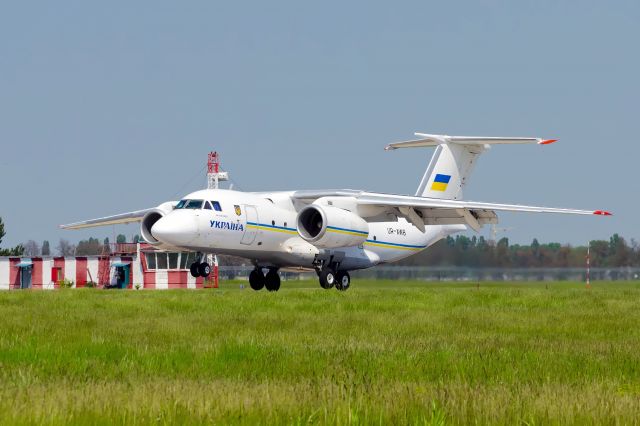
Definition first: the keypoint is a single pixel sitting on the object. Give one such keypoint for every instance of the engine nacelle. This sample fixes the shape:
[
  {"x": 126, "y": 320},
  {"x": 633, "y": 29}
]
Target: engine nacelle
[
  {"x": 331, "y": 227},
  {"x": 150, "y": 219}
]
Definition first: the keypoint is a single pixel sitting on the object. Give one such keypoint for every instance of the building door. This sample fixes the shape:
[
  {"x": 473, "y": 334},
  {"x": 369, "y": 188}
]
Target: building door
[
  {"x": 251, "y": 230},
  {"x": 25, "y": 276},
  {"x": 122, "y": 276}
]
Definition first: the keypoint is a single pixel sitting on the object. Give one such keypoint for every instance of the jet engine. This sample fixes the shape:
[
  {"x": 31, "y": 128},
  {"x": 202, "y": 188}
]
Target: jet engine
[
  {"x": 331, "y": 227},
  {"x": 151, "y": 218}
]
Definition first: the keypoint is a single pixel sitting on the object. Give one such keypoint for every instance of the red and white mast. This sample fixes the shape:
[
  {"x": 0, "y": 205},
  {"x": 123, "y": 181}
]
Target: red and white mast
[{"x": 214, "y": 176}]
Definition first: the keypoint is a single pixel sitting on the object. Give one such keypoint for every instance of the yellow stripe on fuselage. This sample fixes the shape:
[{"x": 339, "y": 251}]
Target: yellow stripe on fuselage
[
  {"x": 340, "y": 231},
  {"x": 267, "y": 228},
  {"x": 391, "y": 246}
]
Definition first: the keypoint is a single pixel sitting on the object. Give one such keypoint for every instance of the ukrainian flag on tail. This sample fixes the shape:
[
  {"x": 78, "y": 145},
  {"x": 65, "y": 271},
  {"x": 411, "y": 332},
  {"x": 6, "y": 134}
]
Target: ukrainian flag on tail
[{"x": 440, "y": 182}]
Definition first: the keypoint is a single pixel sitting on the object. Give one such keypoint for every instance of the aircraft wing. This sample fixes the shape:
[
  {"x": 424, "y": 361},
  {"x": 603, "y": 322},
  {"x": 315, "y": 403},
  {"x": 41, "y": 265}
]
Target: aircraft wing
[
  {"x": 129, "y": 217},
  {"x": 429, "y": 211}
]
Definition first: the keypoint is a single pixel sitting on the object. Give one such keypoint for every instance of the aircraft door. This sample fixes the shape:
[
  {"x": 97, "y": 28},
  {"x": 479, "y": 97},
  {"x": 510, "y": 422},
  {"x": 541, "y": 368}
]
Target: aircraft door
[{"x": 250, "y": 232}]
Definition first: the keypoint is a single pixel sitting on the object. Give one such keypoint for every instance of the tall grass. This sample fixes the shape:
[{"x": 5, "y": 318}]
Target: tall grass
[{"x": 383, "y": 352}]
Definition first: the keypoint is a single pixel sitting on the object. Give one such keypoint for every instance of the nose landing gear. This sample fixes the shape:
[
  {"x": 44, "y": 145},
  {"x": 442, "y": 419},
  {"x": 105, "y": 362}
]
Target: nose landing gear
[{"x": 200, "y": 269}]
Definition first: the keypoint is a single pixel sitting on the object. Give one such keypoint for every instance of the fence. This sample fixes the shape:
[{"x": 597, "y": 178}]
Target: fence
[{"x": 460, "y": 274}]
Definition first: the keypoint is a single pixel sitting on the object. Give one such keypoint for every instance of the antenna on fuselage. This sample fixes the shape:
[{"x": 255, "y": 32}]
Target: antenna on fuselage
[{"x": 214, "y": 174}]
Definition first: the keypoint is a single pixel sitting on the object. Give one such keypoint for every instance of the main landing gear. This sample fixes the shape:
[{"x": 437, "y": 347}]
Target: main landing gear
[
  {"x": 270, "y": 281},
  {"x": 329, "y": 278},
  {"x": 200, "y": 269}
]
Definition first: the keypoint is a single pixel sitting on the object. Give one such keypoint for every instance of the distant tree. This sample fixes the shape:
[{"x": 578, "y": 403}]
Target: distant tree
[
  {"x": 121, "y": 239},
  {"x": 136, "y": 239},
  {"x": 15, "y": 251},
  {"x": 90, "y": 247},
  {"x": 31, "y": 248},
  {"x": 65, "y": 248},
  {"x": 46, "y": 250},
  {"x": 107, "y": 246}
]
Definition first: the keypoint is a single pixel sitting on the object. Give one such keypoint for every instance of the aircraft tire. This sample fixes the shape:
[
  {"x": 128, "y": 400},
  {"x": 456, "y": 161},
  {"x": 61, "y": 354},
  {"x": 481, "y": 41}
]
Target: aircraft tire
[
  {"x": 256, "y": 279},
  {"x": 343, "y": 281},
  {"x": 194, "y": 270},
  {"x": 327, "y": 278},
  {"x": 204, "y": 269},
  {"x": 272, "y": 280}
]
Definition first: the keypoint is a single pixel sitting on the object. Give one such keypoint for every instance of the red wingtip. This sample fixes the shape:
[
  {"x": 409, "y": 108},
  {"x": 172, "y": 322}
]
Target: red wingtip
[
  {"x": 547, "y": 141},
  {"x": 602, "y": 213}
]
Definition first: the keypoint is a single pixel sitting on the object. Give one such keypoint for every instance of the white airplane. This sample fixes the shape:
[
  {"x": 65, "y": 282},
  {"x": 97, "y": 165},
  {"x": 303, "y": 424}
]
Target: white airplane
[{"x": 329, "y": 231}]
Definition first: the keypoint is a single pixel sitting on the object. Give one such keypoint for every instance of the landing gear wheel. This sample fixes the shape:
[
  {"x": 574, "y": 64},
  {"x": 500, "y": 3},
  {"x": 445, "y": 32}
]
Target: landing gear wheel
[
  {"x": 272, "y": 280},
  {"x": 194, "y": 270},
  {"x": 204, "y": 269},
  {"x": 256, "y": 279},
  {"x": 343, "y": 281},
  {"x": 327, "y": 278}
]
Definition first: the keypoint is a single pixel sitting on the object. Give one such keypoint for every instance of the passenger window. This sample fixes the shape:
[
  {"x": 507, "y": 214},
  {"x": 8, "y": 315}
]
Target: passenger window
[
  {"x": 207, "y": 205},
  {"x": 216, "y": 206},
  {"x": 193, "y": 204}
]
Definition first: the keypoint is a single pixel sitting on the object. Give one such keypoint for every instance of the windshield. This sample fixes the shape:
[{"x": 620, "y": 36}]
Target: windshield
[{"x": 189, "y": 204}]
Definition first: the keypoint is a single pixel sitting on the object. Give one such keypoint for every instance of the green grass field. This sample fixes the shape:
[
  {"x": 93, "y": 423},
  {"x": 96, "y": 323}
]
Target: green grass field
[{"x": 383, "y": 352}]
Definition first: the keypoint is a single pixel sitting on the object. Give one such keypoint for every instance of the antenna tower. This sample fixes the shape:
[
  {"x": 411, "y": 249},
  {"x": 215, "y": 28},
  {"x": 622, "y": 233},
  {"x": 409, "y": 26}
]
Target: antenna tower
[{"x": 214, "y": 173}]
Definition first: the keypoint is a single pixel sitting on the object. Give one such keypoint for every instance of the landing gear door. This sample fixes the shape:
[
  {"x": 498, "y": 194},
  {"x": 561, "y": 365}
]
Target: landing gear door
[{"x": 251, "y": 229}]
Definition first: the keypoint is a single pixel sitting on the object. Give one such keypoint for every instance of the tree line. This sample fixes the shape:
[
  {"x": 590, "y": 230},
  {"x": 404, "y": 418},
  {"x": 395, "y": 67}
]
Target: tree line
[
  {"x": 478, "y": 252},
  {"x": 89, "y": 247}
]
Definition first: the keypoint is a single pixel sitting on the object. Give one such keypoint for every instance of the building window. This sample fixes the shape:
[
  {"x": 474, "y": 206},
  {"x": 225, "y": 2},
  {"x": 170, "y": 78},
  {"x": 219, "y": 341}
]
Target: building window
[
  {"x": 173, "y": 260},
  {"x": 169, "y": 261},
  {"x": 151, "y": 260},
  {"x": 161, "y": 260}
]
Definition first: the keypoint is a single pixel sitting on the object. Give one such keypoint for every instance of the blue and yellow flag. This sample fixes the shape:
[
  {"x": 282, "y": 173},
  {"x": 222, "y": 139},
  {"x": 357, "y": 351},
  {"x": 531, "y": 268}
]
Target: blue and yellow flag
[{"x": 440, "y": 182}]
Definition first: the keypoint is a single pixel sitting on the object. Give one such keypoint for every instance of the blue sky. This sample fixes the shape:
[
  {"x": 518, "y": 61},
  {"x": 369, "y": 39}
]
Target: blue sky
[{"x": 113, "y": 106}]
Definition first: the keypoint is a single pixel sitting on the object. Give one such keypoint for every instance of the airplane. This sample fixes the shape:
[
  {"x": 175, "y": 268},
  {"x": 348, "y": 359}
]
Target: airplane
[{"x": 329, "y": 231}]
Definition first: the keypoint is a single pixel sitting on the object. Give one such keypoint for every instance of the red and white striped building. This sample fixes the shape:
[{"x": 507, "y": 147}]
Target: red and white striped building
[{"x": 127, "y": 266}]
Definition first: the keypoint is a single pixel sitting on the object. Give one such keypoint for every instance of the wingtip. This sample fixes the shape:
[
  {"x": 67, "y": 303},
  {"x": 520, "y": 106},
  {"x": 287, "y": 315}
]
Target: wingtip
[
  {"x": 602, "y": 213},
  {"x": 547, "y": 141},
  {"x": 388, "y": 148}
]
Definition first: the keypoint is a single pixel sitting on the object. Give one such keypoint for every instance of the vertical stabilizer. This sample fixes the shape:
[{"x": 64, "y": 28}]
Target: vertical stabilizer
[
  {"x": 448, "y": 171},
  {"x": 453, "y": 161}
]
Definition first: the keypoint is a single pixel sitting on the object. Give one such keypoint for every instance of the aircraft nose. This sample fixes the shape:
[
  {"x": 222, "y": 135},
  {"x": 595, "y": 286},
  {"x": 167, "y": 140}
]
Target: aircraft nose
[{"x": 176, "y": 230}]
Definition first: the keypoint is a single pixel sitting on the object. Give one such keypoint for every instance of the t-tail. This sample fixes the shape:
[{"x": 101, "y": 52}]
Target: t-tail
[{"x": 453, "y": 161}]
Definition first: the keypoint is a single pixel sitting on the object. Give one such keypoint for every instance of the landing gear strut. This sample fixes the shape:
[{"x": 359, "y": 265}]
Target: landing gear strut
[{"x": 258, "y": 280}]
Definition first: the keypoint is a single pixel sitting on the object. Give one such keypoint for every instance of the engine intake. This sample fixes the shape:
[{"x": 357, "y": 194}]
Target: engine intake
[
  {"x": 150, "y": 219},
  {"x": 331, "y": 227}
]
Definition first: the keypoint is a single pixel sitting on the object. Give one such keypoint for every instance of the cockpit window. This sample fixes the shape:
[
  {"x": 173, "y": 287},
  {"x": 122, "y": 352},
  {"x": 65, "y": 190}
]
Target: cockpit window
[
  {"x": 216, "y": 206},
  {"x": 180, "y": 204},
  {"x": 193, "y": 204},
  {"x": 207, "y": 205}
]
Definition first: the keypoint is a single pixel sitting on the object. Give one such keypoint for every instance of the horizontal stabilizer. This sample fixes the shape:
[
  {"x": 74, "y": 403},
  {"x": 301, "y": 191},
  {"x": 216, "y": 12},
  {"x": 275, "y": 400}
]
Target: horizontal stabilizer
[{"x": 435, "y": 140}]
